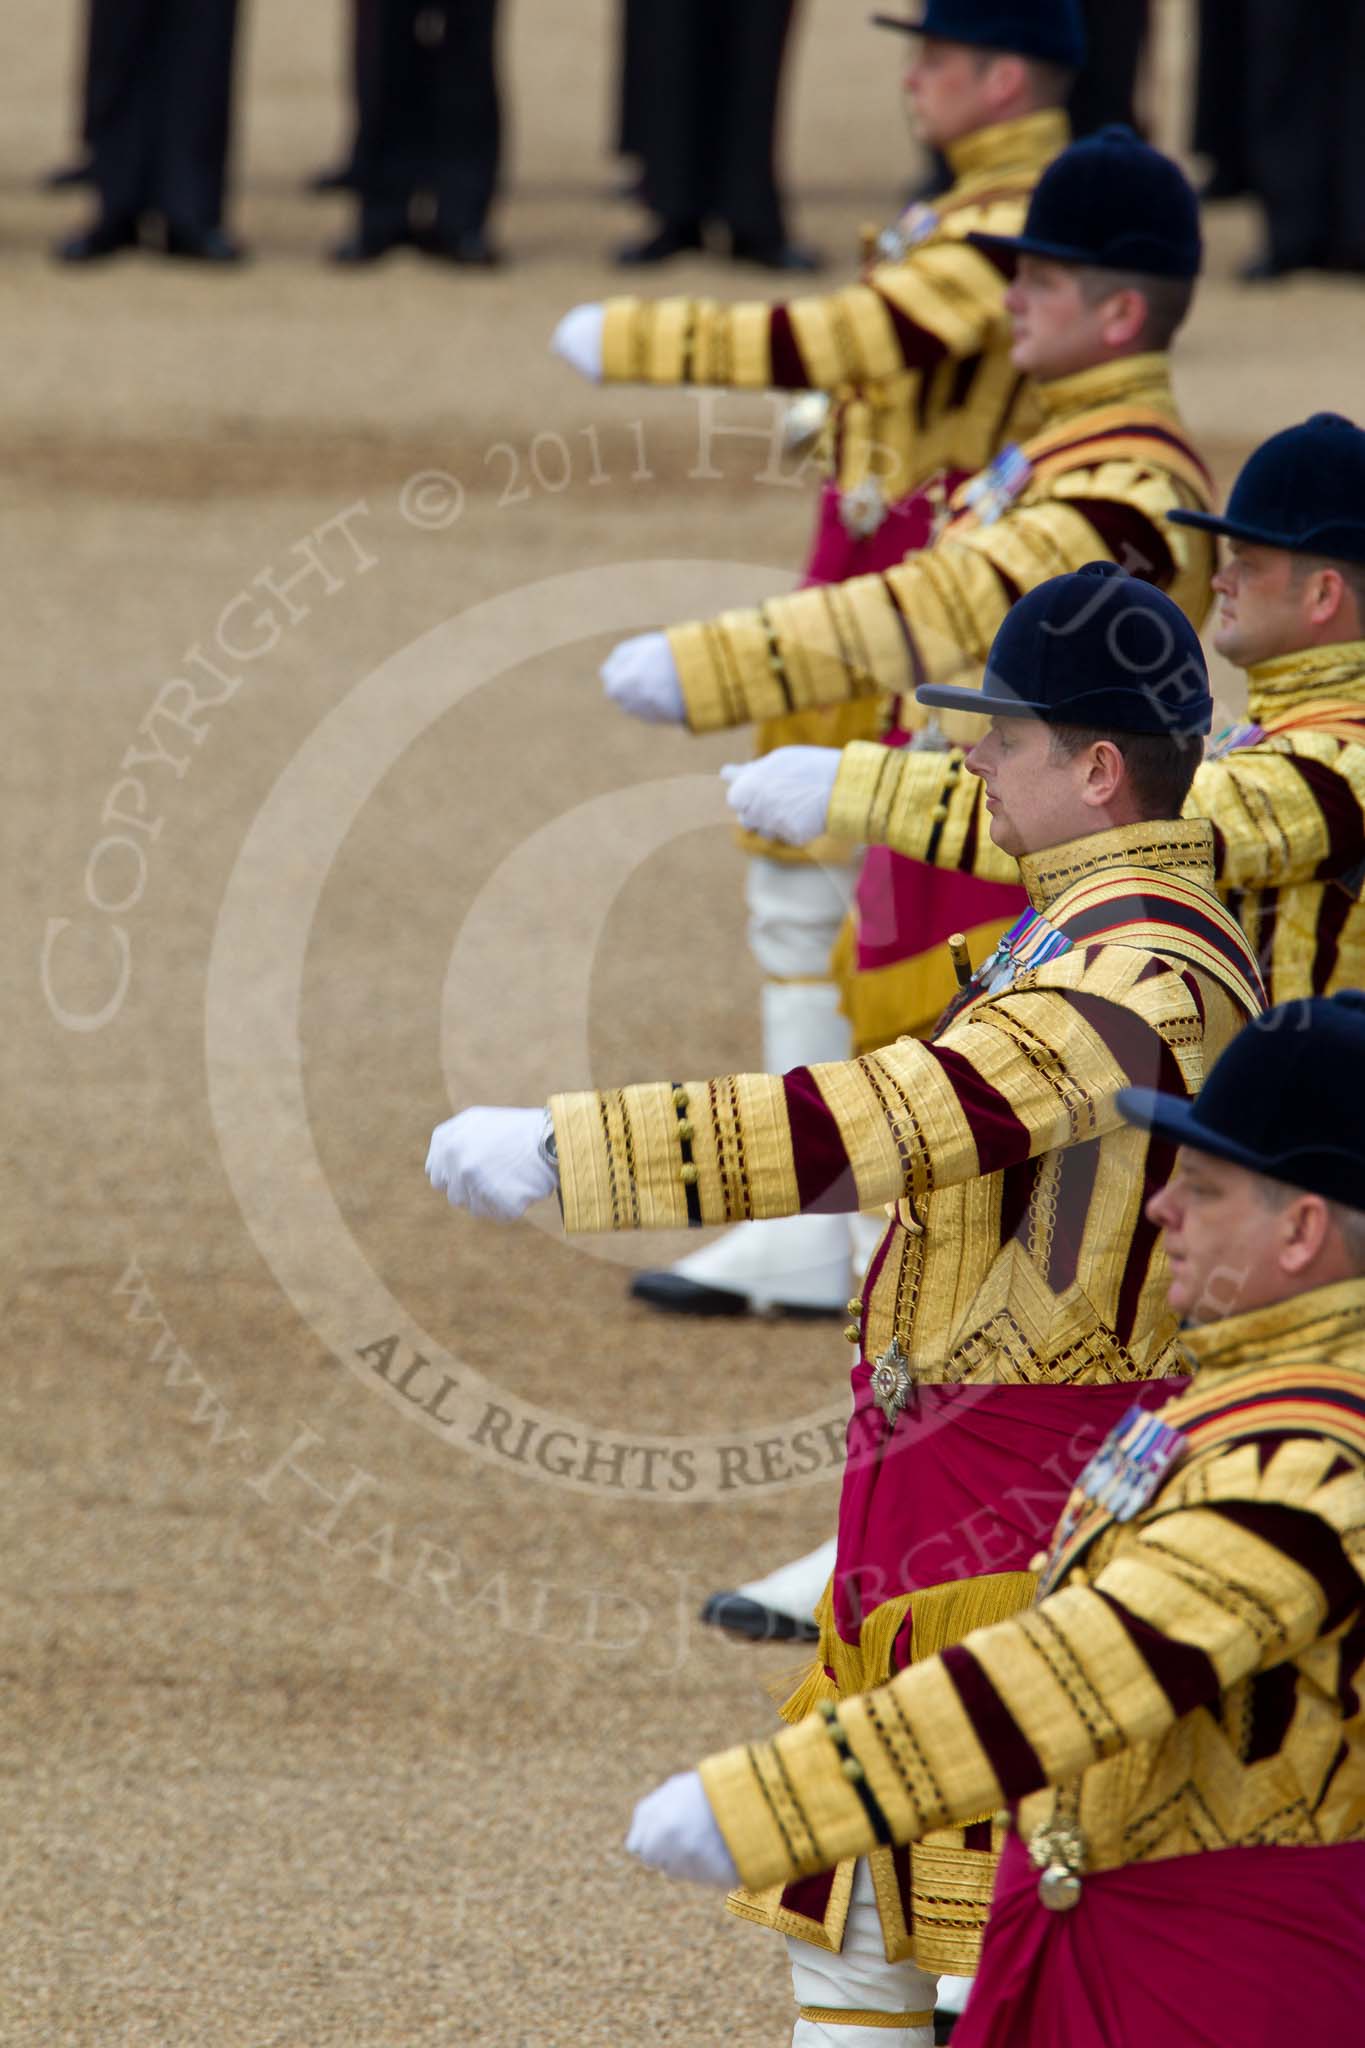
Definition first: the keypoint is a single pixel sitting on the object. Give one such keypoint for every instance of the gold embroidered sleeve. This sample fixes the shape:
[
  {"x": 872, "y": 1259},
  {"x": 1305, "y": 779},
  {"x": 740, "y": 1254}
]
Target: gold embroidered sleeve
[
  {"x": 1287, "y": 812},
  {"x": 688, "y": 341},
  {"x": 663, "y": 1157},
  {"x": 923, "y": 804},
  {"x": 875, "y": 636},
  {"x": 1193, "y": 1600},
  {"x": 1020, "y": 1074},
  {"x": 943, "y": 300},
  {"x": 934, "y": 616}
]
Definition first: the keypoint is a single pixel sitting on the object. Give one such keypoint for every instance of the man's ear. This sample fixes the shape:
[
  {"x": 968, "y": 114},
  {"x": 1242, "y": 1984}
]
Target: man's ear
[
  {"x": 1104, "y": 774},
  {"x": 1307, "y": 1222},
  {"x": 1125, "y": 318},
  {"x": 1326, "y": 597}
]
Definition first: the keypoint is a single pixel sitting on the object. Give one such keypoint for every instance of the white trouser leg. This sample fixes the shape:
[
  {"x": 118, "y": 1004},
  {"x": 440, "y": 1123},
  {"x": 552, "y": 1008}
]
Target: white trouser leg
[
  {"x": 794, "y": 1588},
  {"x": 953, "y": 1993},
  {"x": 795, "y": 912},
  {"x": 841, "y": 1996}
]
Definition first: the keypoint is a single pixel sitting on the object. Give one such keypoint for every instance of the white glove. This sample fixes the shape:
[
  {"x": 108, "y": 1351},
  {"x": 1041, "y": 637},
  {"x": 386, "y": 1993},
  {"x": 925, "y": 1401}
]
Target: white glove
[
  {"x": 642, "y": 677},
  {"x": 578, "y": 338},
  {"x": 674, "y": 1830},
  {"x": 490, "y": 1161},
  {"x": 785, "y": 794}
]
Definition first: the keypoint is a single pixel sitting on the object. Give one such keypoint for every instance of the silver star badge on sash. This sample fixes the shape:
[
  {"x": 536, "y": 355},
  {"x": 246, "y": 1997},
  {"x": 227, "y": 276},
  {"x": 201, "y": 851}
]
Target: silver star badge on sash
[
  {"x": 891, "y": 1381},
  {"x": 862, "y": 509}
]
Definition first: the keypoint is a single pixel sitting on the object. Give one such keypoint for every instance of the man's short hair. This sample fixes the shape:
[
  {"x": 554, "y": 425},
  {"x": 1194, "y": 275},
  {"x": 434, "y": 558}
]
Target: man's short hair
[
  {"x": 1350, "y": 1222},
  {"x": 1049, "y": 84},
  {"x": 1352, "y": 575},
  {"x": 1168, "y": 299},
  {"x": 1161, "y": 767}
]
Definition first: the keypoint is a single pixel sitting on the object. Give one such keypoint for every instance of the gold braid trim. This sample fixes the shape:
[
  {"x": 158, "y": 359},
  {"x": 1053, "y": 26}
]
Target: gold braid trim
[{"x": 842, "y": 2016}]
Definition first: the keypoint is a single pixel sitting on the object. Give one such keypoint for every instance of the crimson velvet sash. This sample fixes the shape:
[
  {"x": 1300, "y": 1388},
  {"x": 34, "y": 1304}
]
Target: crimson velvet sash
[
  {"x": 1233, "y": 1948},
  {"x": 971, "y": 1480}
]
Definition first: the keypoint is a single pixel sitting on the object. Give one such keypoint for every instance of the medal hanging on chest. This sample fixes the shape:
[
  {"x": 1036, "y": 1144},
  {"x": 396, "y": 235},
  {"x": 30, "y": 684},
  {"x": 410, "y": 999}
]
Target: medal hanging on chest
[
  {"x": 993, "y": 492},
  {"x": 1029, "y": 941},
  {"x": 915, "y": 225},
  {"x": 1127, "y": 1471},
  {"x": 1232, "y": 739}
]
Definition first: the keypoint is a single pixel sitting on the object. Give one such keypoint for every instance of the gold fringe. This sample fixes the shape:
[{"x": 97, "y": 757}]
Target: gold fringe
[
  {"x": 942, "y": 1615},
  {"x": 791, "y": 1684},
  {"x": 947, "y": 1614}
]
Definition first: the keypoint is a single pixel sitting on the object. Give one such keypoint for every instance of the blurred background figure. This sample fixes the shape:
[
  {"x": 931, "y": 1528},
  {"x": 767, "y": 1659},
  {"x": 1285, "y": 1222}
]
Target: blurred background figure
[
  {"x": 700, "y": 104},
  {"x": 1107, "y": 87},
  {"x": 1304, "y": 67},
  {"x": 632, "y": 117},
  {"x": 158, "y": 118},
  {"x": 363, "y": 44},
  {"x": 430, "y": 135},
  {"x": 79, "y": 170},
  {"x": 1220, "y": 98}
]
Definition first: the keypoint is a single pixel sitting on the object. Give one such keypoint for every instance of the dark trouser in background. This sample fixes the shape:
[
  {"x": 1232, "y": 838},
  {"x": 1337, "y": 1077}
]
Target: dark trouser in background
[
  {"x": 632, "y": 117},
  {"x": 1106, "y": 89},
  {"x": 1220, "y": 108},
  {"x": 159, "y": 108},
  {"x": 1306, "y": 138},
  {"x": 436, "y": 126},
  {"x": 364, "y": 82},
  {"x": 714, "y": 79}
]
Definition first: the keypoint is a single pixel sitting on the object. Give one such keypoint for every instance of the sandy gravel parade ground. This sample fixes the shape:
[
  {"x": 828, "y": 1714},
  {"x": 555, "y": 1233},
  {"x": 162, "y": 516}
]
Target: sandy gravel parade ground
[{"x": 351, "y": 1549}]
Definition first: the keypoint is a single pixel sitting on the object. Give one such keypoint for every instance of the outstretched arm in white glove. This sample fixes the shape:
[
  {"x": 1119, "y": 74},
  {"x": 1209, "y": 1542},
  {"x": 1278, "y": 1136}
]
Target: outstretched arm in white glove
[
  {"x": 641, "y": 676},
  {"x": 493, "y": 1162},
  {"x": 785, "y": 794},
  {"x": 674, "y": 1830},
  {"x": 578, "y": 339}
]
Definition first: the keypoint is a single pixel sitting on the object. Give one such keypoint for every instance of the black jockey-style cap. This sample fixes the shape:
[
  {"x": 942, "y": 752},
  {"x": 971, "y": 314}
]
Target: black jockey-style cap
[
  {"x": 1099, "y": 648},
  {"x": 1284, "y": 1100},
  {"x": 1111, "y": 202},
  {"x": 1051, "y": 30},
  {"x": 1303, "y": 490}
]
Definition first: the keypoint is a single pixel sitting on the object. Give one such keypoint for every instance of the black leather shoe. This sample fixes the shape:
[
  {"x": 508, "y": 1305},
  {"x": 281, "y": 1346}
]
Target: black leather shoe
[
  {"x": 1224, "y": 185},
  {"x": 67, "y": 175},
  {"x": 105, "y": 238},
  {"x": 368, "y": 245},
  {"x": 680, "y": 1297},
  {"x": 677, "y": 1296},
  {"x": 472, "y": 249},
  {"x": 776, "y": 255},
  {"x": 341, "y": 178},
  {"x": 737, "y": 1615},
  {"x": 1270, "y": 269},
  {"x": 203, "y": 245},
  {"x": 666, "y": 242}
]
